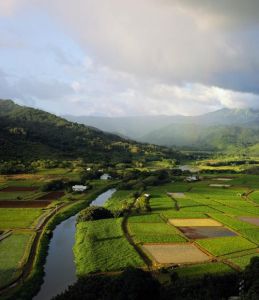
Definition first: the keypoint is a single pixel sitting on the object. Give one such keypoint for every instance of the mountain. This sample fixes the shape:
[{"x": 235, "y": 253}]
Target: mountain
[
  {"x": 28, "y": 133},
  {"x": 224, "y": 129},
  {"x": 133, "y": 127}
]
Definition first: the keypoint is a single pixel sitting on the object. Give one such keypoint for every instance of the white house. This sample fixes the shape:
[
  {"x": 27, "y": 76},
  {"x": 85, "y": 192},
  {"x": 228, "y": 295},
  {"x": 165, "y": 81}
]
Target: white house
[
  {"x": 105, "y": 177},
  {"x": 79, "y": 188},
  {"x": 192, "y": 178}
]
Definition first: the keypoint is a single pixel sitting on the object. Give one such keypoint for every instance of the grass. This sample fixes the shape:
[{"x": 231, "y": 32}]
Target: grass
[
  {"x": 14, "y": 252},
  {"x": 155, "y": 233},
  {"x": 11, "y": 218},
  {"x": 243, "y": 261},
  {"x": 152, "y": 228},
  {"x": 251, "y": 234},
  {"x": 165, "y": 238},
  {"x": 201, "y": 269},
  {"x": 146, "y": 218},
  {"x": 225, "y": 245},
  {"x": 15, "y": 195},
  {"x": 232, "y": 222},
  {"x": 170, "y": 214},
  {"x": 101, "y": 246}
]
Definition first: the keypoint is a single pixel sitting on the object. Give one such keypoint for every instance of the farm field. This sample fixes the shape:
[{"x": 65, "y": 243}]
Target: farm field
[
  {"x": 101, "y": 246},
  {"x": 219, "y": 220},
  {"x": 23, "y": 209},
  {"x": 175, "y": 253},
  {"x": 14, "y": 251},
  {"x": 208, "y": 222}
]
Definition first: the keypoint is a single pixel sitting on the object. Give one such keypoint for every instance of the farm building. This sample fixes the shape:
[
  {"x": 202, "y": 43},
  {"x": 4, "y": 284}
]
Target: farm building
[
  {"x": 105, "y": 176},
  {"x": 79, "y": 188},
  {"x": 192, "y": 178}
]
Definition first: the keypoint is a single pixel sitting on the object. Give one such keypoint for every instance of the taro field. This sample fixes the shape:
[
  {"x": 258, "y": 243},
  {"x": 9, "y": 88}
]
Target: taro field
[{"x": 208, "y": 226}]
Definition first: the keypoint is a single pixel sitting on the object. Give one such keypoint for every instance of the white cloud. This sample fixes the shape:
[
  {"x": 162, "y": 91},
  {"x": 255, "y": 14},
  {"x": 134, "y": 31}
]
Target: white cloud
[{"x": 150, "y": 56}]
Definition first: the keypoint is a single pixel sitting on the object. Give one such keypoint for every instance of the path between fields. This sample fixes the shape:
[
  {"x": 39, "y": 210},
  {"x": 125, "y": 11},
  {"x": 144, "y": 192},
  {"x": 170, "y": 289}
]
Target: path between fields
[{"x": 127, "y": 235}]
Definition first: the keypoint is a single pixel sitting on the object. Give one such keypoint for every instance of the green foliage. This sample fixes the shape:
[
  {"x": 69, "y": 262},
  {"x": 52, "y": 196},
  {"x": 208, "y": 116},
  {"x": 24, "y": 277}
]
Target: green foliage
[
  {"x": 92, "y": 213},
  {"x": 142, "y": 204},
  {"x": 31, "y": 134},
  {"x": 54, "y": 185}
]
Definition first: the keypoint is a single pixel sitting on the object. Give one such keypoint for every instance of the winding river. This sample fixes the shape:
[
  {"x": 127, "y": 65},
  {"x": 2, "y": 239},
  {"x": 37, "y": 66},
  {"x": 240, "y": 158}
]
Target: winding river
[{"x": 60, "y": 269}]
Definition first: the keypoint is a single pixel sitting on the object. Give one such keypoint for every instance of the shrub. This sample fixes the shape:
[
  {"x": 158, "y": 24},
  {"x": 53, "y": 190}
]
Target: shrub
[
  {"x": 94, "y": 213},
  {"x": 53, "y": 185}
]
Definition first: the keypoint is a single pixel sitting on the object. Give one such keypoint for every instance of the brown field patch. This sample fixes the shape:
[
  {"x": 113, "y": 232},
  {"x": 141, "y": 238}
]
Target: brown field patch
[
  {"x": 19, "y": 189},
  {"x": 200, "y": 232},
  {"x": 24, "y": 204},
  {"x": 175, "y": 253},
  {"x": 251, "y": 220},
  {"x": 194, "y": 222},
  {"x": 52, "y": 196}
]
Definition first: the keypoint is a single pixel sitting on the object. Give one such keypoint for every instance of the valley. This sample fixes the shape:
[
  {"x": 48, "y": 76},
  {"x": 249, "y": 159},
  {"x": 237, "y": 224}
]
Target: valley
[{"x": 118, "y": 204}]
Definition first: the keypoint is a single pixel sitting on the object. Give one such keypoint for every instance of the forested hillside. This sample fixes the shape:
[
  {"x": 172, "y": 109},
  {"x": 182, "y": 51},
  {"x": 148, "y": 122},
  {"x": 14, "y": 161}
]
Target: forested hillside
[{"x": 28, "y": 133}]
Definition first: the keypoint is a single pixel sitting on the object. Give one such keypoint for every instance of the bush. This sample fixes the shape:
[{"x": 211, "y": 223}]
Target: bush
[
  {"x": 142, "y": 204},
  {"x": 94, "y": 213},
  {"x": 54, "y": 185}
]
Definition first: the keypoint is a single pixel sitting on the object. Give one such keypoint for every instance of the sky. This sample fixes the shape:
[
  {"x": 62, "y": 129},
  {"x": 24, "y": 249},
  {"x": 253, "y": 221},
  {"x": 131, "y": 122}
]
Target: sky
[{"x": 130, "y": 57}]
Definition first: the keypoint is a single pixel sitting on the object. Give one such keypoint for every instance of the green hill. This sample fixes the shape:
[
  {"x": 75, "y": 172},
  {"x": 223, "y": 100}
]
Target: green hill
[
  {"x": 28, "y": 133},
  {"x": 228, "y": 130}
]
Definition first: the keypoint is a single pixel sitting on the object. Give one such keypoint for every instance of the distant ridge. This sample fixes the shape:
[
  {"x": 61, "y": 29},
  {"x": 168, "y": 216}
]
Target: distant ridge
[{"x": 223, "y": 129}]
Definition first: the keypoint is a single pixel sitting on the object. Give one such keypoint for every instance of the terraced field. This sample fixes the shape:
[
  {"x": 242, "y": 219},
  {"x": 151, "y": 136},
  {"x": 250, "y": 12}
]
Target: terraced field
[
  {"x": 22, "y": 216},
  {"x": 218, "y": 220}
]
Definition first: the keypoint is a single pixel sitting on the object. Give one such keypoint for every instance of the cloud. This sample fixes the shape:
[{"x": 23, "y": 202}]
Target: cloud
[
  {"x": 173, "y": 41},
  {"x": 143, "y": 57}
]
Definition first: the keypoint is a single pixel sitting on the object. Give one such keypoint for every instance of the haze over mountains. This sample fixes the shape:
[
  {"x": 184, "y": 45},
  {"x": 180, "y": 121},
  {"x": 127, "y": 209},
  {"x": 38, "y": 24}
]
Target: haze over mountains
[{"x": 219, "y": 130}]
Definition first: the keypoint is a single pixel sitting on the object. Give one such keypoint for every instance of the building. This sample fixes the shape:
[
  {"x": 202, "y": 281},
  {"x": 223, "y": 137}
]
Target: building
[
  {"x": 192, "y": 178},
  {"x": 105, "y": 177},
  {"x": 79, "y": 188}
]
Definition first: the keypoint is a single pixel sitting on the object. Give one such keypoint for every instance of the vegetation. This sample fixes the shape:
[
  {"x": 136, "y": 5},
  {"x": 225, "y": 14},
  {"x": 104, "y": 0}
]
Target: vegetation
[
  {"x": 221, "y": 246},
  {"x": 14, "y": 251},
  {"x": 97, "y": 244},
  {"x": 11, "y": 218},
  {"x": 51, "y": 137},
  {"x": 94, "y": 213}
]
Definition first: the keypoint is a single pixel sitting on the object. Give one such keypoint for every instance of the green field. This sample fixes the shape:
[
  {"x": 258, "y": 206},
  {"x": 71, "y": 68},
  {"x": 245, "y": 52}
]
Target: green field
[
  {"x": 101, "y": 246},
  {"x": 243, "y": 261},
  {"x": 14, "y": 251},
  {"x": 15, "y": 195},
  {"x": 225, "y": 245},
  {"x": 11, "y": 218},
  {"x": 201, "y": 269}
]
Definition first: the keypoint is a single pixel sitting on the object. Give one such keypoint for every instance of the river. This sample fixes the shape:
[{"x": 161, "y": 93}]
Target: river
[{"x": 60, "y": 270}]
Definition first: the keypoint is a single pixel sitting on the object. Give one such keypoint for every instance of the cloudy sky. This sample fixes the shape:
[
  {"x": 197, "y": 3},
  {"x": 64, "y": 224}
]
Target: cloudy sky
[{"x": 130, "y": 57}]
